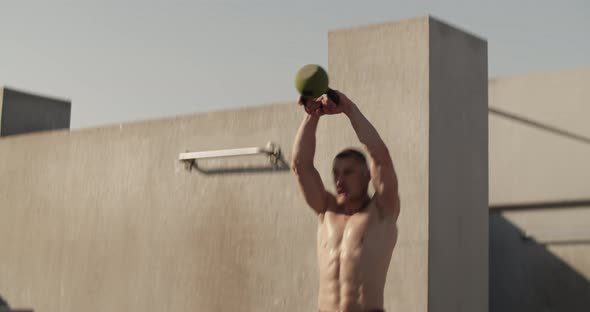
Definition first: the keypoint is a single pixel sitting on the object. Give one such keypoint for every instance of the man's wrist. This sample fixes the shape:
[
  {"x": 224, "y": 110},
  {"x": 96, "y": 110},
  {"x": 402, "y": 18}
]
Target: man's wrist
[
  {"x": 350, "y": 109},
  {"x": 311, "y": 117}
]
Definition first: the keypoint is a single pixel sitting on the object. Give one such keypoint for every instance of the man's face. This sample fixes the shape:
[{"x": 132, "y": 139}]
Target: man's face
[{"x": 351, "y": 178}]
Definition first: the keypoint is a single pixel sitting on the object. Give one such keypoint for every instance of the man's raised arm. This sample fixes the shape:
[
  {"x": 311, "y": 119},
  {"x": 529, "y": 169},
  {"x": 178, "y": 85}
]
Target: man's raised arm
[
  {"x": 383, "y": 173},
  {"x": 302, "y": 163}
]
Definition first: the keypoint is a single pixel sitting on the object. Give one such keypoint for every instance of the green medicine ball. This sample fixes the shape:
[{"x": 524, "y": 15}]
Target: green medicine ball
[{"x": 311, "y": 81}]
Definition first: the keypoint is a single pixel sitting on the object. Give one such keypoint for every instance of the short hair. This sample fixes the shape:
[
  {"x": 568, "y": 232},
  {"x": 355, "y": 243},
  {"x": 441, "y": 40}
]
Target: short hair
[{"x": 352, "y": 153}]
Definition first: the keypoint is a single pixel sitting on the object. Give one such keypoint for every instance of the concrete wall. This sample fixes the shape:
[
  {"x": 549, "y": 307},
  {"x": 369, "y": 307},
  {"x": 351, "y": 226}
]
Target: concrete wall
[
  {"x": 458, "y": 171},
  {"x": 529, "y": 275},
  {"x": 386, "y": 67},
  {"x": 418, "y": 80},
  {"x": 539, "y": 194},
  {"x": 108, "y": 219},
  {"x": 535, "y": 163},
  {"x": 22, "y": 112}
]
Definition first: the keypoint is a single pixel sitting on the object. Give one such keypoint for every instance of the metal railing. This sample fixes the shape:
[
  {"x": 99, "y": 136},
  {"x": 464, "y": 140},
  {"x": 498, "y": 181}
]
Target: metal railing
[{"x": 273, "y": 151}]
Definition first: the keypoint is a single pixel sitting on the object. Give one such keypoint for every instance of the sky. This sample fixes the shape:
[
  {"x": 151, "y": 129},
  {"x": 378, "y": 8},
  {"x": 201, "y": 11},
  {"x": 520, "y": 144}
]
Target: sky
[{"x": 123, "y": 61}]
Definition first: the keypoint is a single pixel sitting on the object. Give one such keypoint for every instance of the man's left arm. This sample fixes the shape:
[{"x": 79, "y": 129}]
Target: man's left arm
[{"x": 383, "y": 173}]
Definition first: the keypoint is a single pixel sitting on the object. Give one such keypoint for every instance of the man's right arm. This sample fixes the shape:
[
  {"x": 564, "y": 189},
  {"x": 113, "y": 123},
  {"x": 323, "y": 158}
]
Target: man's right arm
[{"x": 302, "y": 165}]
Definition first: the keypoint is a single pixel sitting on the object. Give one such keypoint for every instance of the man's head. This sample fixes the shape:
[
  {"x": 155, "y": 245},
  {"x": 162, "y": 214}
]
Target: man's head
[{"x": 351, "y": 175}]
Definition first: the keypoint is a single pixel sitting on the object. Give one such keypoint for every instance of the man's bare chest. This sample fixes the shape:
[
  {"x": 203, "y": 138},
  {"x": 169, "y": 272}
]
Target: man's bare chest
[
  {"x": 338, "y": 230},
  {"x": 360, "y": 232}
]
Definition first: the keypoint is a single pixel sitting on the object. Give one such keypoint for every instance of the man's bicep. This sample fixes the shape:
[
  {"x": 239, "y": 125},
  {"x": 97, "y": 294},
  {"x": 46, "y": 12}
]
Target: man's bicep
[
  {"x": 385, "y": 182},
  {"x": 313, "y": 189}
]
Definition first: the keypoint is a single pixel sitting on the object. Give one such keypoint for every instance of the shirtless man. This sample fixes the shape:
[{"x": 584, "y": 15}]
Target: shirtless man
[{"x": 356, "y": 232}]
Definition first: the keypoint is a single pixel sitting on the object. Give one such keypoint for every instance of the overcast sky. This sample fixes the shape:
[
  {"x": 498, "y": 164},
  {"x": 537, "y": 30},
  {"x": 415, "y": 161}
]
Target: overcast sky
[{"x": 123, "y": 61}]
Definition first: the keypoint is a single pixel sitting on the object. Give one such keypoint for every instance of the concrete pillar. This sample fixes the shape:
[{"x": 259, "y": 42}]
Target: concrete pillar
[
  {"x": 430, "y": 82},
  {"x": 22, "y": 112}
]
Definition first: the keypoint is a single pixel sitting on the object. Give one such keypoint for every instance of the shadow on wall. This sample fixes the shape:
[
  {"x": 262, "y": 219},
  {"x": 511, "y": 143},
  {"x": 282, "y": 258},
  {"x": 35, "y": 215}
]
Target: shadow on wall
[
  {"x": 526, "y": 277},
  {"x": 280, "y": 166},
  {"x": 3, "y": 303}
]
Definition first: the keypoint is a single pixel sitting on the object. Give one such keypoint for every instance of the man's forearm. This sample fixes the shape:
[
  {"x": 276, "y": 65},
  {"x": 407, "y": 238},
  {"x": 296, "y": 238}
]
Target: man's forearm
[
  {"x": 304, "y": 146},
  {"x": 366, "y": 133}
]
